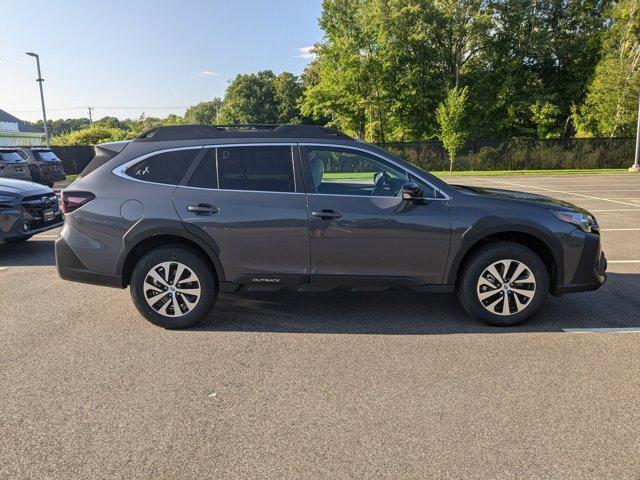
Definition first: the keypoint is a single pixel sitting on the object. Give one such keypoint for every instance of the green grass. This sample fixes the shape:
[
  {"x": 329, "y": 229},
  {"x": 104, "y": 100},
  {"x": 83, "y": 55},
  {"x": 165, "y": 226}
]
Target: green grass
[
  {"x": 482, "y": 173},
  {"x": 71, "y": 178},
  {"x": 348, "y": 176},
  {"x": 491, "y": 173}
]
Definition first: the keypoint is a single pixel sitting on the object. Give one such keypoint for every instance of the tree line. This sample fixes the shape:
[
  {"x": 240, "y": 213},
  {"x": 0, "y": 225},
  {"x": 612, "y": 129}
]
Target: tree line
[{"x": 410, "y": 70}]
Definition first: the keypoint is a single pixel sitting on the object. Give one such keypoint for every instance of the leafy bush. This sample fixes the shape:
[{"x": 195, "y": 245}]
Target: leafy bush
[
  {"x": 521, "y": 154},
  {"x": 91, "y": 136}
]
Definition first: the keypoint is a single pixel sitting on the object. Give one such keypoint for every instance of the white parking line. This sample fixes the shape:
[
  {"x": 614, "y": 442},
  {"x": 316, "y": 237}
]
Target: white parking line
[
  {"x": 609, "y": 262},
  {"x": 559, "y": 191},
  {"x": 603, "y": 330},
  {"x": 620, "y": 229},
  {"x": 617, "y": 210}
]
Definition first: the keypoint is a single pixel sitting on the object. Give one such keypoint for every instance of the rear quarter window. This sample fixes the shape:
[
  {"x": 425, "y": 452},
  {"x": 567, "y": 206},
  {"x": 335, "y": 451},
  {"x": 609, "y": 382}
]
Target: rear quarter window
[{"x": 167, "y": 168}]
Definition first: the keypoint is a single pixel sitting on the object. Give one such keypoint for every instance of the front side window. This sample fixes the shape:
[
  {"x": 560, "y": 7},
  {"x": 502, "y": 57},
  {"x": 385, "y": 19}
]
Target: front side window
[
  {"x": 167, "y": 168},
  {"x": 258, "y": 169},
  {"x": 341, "y": 171}
]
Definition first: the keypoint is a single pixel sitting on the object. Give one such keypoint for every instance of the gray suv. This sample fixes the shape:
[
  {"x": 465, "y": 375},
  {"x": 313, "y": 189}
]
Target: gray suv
[{"x": 182, "y": 213}]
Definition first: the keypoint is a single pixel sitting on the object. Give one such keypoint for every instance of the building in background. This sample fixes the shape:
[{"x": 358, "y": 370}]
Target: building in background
[{"x": 14, "y": 131}]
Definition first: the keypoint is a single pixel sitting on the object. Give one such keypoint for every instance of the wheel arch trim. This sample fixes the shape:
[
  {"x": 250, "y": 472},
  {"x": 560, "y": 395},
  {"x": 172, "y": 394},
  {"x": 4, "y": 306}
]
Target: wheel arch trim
[
  {"x": 149, "y": 228},
  {"x": 474, "y": 237}
]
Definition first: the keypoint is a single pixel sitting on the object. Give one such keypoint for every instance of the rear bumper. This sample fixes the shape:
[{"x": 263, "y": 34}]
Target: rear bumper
[
  {"x": 70, "y": 267},
  {"x": 592, "y": 269},
  {"x": 17, "y": 176}
]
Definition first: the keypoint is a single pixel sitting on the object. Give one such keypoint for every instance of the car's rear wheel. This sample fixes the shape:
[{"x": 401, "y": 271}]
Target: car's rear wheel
[
  {"x": 173, "y": 287},
  {"x": 503, "y": 284}
]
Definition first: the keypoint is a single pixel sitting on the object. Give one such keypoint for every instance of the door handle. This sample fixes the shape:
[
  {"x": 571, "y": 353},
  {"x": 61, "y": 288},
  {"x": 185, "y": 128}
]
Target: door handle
[
  {"x": 203, "y": 209},
  {"x": 326, "y": 214}
]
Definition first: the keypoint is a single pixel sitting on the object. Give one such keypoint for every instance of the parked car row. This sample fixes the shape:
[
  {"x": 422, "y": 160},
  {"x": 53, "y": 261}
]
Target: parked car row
[{"x": 37, "y": 163}]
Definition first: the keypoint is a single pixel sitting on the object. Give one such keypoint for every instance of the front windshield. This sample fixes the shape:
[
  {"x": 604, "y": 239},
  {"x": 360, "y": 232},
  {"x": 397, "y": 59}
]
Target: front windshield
[
  {"x": 47, "y": 156},
  {"x": 10, "y": 157}
]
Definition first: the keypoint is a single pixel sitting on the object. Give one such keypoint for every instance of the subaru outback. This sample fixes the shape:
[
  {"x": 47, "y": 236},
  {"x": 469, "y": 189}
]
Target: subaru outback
[{"x": 182, "y": 213}]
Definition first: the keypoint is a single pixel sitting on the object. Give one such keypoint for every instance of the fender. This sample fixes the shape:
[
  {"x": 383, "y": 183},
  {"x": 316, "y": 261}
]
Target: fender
[
  {"x": 495, "y": 225},
  {"x": 148, "y": 228}
]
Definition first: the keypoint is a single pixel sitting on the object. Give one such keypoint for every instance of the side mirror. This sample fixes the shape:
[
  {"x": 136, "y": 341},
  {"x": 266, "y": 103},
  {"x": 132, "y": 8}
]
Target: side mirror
[{"x": 412, "y": 192}]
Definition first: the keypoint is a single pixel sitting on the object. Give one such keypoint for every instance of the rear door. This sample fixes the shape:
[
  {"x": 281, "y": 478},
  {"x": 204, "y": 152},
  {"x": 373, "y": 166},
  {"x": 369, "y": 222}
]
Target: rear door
[
  {"x": 361, "y": 230},
  {"x": 249, "y": 200}
]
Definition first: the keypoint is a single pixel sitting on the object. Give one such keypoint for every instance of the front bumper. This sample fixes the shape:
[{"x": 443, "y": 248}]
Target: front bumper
[
  {"x": 19, "y": 232},
  {"x": 591, "y": 272},
  {"x": 17, "y": 223}
]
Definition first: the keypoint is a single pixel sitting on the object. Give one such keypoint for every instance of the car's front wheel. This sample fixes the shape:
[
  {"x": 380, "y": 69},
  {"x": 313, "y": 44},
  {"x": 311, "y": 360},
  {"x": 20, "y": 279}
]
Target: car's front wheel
[
  {"x": 503, "y": 284},
  {"x": 173, "y": 287}
]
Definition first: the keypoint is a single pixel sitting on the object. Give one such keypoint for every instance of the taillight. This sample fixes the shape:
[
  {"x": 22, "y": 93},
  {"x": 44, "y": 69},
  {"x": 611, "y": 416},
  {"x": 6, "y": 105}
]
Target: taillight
[{"x": 72, "y": 201}]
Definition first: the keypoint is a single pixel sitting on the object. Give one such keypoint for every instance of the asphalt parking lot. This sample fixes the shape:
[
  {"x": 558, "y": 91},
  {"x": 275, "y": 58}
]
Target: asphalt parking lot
[{"x": 338, "y": 385}]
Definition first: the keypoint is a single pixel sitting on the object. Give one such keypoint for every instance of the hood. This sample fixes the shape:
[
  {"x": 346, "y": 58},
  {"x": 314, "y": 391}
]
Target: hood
[
  {"x": 15, "y": 188},
  {"x": 520, "y": 197}
]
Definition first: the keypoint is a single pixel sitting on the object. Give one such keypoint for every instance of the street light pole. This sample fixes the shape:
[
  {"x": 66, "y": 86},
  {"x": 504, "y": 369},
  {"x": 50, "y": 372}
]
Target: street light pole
[
  {"x": 44, "y": 111},
  {"x": 636, "y": 163}
]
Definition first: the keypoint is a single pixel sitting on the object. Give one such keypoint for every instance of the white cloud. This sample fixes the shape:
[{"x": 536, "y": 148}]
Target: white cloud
[
  {"x": 306, "y": 52},
  {"x": 208, "y": 73}
]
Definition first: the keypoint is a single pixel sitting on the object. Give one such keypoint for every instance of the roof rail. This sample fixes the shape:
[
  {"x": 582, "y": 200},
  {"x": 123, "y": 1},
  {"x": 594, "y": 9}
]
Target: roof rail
[{"x": 193, "y": 132}]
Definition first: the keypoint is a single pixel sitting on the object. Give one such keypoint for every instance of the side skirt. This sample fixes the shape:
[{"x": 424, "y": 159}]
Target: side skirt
[{"x": 324, "y": 283}]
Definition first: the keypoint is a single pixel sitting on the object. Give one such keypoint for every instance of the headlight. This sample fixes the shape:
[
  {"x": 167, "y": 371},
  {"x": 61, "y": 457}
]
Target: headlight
[{"x": 584, "y": 221}]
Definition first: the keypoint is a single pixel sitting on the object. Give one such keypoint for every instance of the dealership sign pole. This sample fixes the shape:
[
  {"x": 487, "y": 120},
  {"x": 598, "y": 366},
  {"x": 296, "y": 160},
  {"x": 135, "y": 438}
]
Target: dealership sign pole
[
  {"x": 636, "y": 163},
  {"x": 44, "y": 111}
]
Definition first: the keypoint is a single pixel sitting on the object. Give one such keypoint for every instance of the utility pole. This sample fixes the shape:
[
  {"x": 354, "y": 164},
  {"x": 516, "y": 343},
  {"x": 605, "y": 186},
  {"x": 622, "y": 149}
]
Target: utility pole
[
  {"x": 636, "y": 164},
  {"x": 90, "y": 117},
  {"x": 44, "y": 111}
]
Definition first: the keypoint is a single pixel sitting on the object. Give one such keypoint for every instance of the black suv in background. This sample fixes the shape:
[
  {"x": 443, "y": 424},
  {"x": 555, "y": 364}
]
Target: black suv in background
[
  {"x": 45, "y": 167},
  {"x": 182, "y": 213},
  {"x": 13, "y": 164}
]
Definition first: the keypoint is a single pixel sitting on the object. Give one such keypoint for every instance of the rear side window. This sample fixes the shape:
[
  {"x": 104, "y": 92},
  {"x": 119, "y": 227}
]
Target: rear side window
[
  {"x": 10, "y": 157},
  {"x": 258, "y": 169},
  {"x": 46, "y": 155},
  {"x": 205, "y": 175},
  {"x": 167, "y": 167}
]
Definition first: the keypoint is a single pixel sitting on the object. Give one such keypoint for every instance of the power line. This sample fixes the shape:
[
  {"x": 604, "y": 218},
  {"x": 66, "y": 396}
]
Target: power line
[{"x": 171, "y": 107}]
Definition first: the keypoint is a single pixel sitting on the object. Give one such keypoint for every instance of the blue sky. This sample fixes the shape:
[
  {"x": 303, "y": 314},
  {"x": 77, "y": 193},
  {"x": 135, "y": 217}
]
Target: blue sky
[{"x": 140, "y": 54}]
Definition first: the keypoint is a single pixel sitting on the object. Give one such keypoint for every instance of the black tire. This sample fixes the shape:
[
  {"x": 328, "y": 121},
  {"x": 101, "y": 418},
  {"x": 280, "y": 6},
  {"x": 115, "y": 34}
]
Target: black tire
[
  {"x": 476, "y": 265},
  {"x": 190, "y": 259},
  {"x": 19, "y": 239}
]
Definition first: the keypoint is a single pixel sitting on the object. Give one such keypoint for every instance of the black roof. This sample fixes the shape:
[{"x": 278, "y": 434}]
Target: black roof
[
  {"x": 193, "y": 132},
  {"x": 22, "y": 125}
]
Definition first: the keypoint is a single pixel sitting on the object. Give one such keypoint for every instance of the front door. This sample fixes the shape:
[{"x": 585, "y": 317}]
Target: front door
[
  {"x": 251, "y": 204},
  {"x": 361, "y": 230}
]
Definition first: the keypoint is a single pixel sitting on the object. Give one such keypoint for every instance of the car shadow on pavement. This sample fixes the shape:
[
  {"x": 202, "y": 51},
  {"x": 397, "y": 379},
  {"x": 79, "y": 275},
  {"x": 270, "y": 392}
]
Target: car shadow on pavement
[
  {"x": 29, "y": 253},
  {"x": 615, "y": 305}
]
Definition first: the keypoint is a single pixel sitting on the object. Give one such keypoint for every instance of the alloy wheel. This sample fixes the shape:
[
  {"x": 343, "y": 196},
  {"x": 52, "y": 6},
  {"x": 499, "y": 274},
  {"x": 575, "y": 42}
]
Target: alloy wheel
[
  {"x": 171, "y": 289},
  {"x": 506, "y": 287}
]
